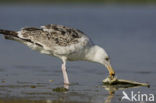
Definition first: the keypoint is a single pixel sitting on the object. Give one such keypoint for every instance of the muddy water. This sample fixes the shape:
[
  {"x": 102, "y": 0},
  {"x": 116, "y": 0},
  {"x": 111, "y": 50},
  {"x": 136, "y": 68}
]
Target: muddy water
[{"x": 126, "y": 32}]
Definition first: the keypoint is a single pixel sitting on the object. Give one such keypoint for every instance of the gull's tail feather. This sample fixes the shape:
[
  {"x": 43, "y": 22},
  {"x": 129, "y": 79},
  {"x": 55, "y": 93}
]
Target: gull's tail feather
[{"x": 9, "y": 33}]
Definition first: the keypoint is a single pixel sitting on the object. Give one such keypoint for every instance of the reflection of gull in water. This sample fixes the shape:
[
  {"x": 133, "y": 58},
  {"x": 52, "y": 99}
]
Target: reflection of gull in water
[
  {"x": 113, "y": 88},
  {"x": 63, "y": 42}
]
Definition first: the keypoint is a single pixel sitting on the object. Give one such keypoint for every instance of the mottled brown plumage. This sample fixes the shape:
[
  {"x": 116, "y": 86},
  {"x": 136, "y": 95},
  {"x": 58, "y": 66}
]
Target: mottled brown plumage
[{"x": 50, "y": 34}]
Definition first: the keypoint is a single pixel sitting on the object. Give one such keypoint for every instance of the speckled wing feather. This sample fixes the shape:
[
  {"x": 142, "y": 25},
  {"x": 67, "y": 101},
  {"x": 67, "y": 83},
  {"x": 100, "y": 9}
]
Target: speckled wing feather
[
  {"x": 62, "y": 35},
  {"x": 56, "y": 37}
]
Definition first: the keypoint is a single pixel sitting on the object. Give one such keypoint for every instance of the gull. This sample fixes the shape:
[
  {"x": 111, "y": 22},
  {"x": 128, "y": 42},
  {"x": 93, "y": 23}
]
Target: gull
[{"x": 66, "y": 43}]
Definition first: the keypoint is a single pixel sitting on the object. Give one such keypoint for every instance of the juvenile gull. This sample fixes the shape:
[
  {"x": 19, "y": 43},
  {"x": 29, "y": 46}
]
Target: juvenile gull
[{"x": 66, "y": 43}]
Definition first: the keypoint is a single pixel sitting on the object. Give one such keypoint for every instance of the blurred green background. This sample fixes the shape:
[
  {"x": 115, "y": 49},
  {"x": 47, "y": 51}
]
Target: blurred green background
[{"x": 81, "y": 1}]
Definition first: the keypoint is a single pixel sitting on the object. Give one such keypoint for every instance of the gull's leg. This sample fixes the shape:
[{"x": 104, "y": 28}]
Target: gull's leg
[{"x": 64, "y": 71}]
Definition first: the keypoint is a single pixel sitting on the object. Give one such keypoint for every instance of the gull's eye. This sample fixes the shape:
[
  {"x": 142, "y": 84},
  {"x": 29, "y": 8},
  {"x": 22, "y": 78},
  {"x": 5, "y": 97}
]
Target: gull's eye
[{"x": 107, "y": 59}]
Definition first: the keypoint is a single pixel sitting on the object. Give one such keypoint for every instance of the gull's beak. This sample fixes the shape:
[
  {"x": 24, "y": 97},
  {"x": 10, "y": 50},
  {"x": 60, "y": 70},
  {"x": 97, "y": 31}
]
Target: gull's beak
[{"x": 111, "y": 70}]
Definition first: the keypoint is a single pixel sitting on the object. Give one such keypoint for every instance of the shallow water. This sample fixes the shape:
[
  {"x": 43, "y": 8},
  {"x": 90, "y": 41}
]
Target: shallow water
[{"x": 126, "y": 32}]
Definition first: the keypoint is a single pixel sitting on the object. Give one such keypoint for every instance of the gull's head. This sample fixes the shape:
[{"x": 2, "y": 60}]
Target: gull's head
[{"x": 99, "y": 55}]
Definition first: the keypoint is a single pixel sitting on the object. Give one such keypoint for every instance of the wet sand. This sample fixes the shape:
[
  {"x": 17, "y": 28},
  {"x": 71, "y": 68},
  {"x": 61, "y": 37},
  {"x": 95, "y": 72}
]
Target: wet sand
[{"x": 34, "y": 85}]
